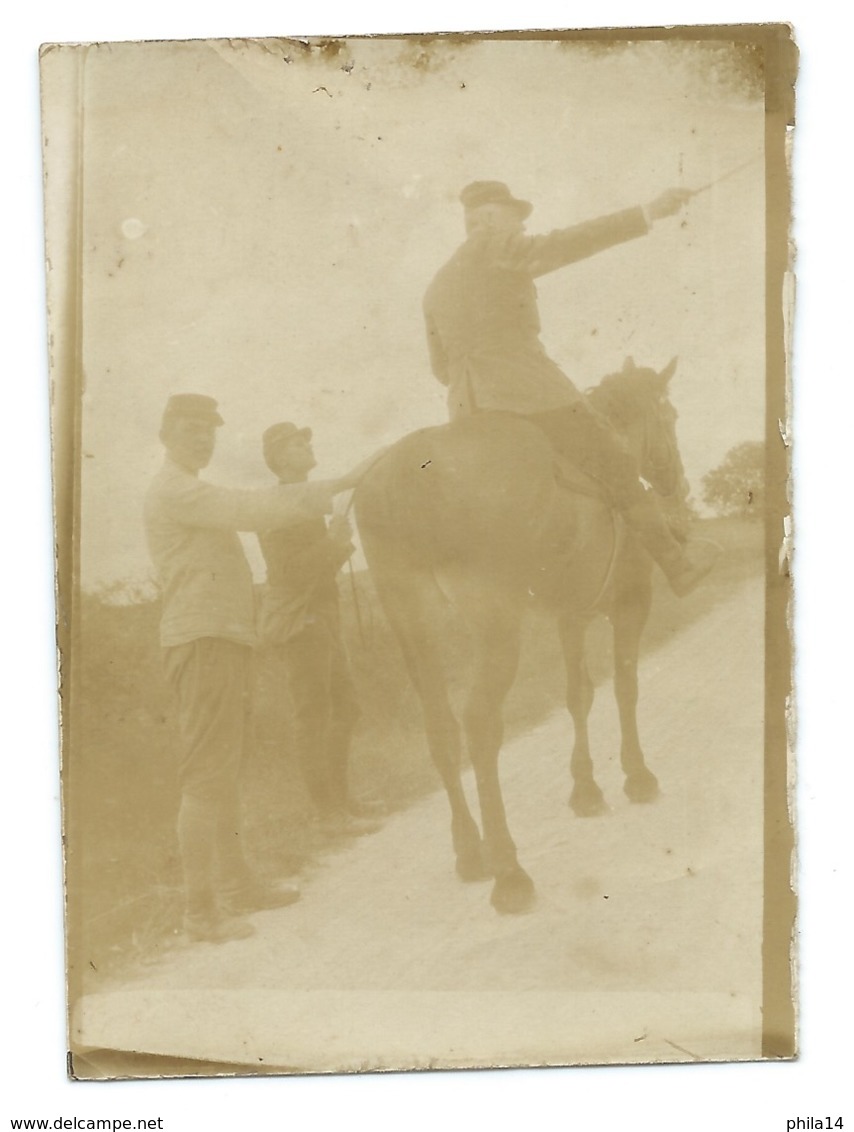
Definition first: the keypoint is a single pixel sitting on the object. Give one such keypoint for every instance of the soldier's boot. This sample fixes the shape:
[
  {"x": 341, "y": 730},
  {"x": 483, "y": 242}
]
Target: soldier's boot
[
  {"x": 684, "y": 565},
  {"x": 209, "y": 925},
  {"x": 256, "y": 895},
  {"x": 197, "y": 833},
  {"x": 240, "y": 891}
]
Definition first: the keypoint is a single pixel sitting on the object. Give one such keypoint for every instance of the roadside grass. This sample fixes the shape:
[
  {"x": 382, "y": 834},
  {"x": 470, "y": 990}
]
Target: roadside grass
[{"x": 119, "y": 789}]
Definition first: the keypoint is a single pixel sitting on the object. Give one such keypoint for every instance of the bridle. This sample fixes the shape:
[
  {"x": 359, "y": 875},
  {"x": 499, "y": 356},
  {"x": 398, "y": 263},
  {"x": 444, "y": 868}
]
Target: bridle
[{"x": 659, "y": 459}]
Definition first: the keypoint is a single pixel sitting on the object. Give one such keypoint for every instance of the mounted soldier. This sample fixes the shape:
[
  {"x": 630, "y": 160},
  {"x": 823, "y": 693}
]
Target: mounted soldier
[{"x": 483, "y": 330}]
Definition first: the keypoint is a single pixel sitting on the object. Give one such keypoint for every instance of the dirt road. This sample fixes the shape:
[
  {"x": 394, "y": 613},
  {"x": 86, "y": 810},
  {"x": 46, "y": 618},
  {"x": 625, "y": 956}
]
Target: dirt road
[{"x": 644, "y": 942}]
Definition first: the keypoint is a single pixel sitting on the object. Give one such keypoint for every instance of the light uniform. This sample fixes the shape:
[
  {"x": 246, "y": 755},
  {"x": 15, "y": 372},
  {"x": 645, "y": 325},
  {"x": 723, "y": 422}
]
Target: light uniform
[{"x": 208, "y": 633}]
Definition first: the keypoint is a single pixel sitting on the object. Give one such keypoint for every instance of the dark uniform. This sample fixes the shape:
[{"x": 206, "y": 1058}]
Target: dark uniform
[
  {"x": 483, "y": 324},
  {"x": 483, "y": 334},
  {"x": 300, "y": 618}
]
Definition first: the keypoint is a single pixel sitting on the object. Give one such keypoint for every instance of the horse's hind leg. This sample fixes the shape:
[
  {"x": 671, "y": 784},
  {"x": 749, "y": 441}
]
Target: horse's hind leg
[
  {"x": 410, "y": 601},
  {"x": 586, "y": 798},
  {"x": 631, "y": 610},
  {"x": 496, "y": 658}
]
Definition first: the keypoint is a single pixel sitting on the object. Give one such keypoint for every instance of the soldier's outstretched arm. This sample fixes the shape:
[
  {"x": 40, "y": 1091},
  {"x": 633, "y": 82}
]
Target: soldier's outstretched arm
[
  {"x": 199, "y": 504},
  {"x": 542, "y": 254}
]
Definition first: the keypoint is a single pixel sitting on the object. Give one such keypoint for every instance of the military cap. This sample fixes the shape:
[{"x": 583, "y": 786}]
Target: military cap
[
  {"x": 195, "y": 405},
  {"x": 281, "y": 433},
  {"x": 492, "y": 192}
]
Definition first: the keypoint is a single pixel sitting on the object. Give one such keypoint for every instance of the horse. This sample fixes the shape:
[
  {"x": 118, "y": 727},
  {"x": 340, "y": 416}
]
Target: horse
[{"x": 482, "y": 513}]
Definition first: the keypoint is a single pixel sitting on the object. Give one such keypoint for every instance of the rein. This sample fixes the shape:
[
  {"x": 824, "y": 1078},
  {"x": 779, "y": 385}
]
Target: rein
[{"x": 673, "y": 457}]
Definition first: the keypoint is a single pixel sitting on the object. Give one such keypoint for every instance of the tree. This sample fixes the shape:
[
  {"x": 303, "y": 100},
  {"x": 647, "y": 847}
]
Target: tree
[{"x": 737, "y": 486}]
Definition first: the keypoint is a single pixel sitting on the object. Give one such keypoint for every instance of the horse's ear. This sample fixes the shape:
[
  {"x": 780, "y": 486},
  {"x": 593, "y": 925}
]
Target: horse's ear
[
  {"x": 629, "y": 365},
  {"x": 668, "y": 371}
]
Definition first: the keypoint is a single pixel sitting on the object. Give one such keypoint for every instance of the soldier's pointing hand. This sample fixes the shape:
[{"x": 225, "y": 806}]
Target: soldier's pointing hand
[{"x": 668, "y": 203}]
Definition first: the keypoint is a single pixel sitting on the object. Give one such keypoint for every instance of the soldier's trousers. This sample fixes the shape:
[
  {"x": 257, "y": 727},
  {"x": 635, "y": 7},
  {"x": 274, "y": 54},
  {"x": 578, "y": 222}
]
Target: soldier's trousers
[
  {"x": 591, "y": 443},
  {"x": 210, "y": 679},
  {"x": 325, "y": 711}
]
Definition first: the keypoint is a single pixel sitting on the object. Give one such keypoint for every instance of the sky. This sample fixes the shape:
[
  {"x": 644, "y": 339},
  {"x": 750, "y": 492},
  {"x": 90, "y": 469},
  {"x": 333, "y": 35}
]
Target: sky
[{"x": 261, "y": 221}]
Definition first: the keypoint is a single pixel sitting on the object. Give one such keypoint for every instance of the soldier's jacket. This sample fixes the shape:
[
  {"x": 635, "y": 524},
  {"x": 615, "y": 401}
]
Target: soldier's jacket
[
  {"x": 191, "y": 527},
  {"x": 483, "y": 326},
  {"x": 302, "y": 563}
]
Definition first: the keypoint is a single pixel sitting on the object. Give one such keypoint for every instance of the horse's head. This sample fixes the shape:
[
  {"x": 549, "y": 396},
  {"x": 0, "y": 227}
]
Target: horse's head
[{"x": 637, "y": 403}]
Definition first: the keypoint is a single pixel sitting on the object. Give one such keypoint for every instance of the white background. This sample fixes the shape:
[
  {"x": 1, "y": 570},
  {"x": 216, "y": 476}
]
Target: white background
[{"x": 668, "y": 1098}]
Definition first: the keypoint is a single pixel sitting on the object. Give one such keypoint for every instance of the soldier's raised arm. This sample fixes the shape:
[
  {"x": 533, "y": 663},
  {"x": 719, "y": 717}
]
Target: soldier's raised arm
[
  {"x": 538, "y": 255},
  {"x": 178, "y": 495},
  {"x": 198, "y": 504}
]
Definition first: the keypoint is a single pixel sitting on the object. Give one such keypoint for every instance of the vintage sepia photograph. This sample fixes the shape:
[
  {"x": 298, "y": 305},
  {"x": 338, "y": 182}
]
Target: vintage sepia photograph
[{"x": 421, "y": 455}]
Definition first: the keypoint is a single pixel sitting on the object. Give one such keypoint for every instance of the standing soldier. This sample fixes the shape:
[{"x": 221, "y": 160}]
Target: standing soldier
[
  {"x": 300, "y": 618},
  {"x": 483, "y": 334},
  {"x": 207, "y": 630}
]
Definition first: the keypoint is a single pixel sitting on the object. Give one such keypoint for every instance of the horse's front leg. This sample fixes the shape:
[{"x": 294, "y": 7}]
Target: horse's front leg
[
  {"x": 631, "y": 611},
  {"x": 495, "y": 665},
  {"x": 586, "y": 799}
]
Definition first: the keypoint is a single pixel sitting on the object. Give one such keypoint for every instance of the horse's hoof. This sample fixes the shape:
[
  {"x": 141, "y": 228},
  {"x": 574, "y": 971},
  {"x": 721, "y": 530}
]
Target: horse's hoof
[
  {"x": 513, "y": 893},
  {"x": 642, "y": 787},
  {"x": 472, "y": 867},
  {"x": 588, "y": 801}
]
